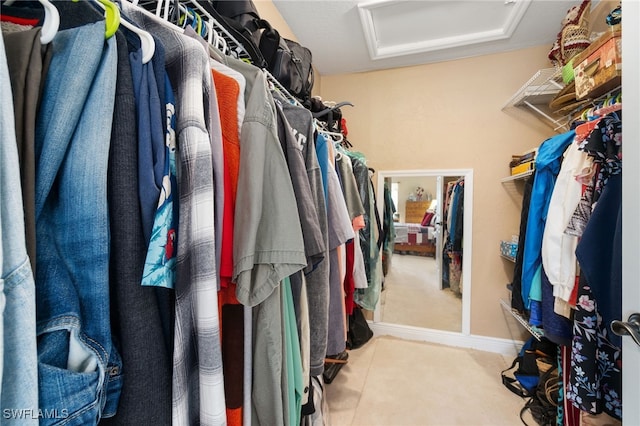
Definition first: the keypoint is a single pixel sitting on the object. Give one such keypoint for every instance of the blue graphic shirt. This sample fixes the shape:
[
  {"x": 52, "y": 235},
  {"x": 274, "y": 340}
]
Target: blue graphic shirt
[{"x": 160, "y": 264}]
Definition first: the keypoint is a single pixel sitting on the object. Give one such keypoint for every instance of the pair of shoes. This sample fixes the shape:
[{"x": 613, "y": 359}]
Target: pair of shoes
[{"x": 333, "y": 364}]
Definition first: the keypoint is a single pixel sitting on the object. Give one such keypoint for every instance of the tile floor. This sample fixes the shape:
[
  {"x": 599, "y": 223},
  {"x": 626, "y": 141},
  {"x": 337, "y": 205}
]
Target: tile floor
[{"x": 394, "y": 382}]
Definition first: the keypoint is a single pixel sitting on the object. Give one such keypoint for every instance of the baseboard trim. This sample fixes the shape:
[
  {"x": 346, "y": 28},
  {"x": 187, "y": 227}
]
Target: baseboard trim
[{"x": 484, "y": 343}]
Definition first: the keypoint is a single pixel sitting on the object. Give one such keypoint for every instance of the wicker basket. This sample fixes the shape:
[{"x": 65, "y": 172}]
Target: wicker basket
[
  {"x": 574, "y": 36},
  {"x": 575, "y": 39}
]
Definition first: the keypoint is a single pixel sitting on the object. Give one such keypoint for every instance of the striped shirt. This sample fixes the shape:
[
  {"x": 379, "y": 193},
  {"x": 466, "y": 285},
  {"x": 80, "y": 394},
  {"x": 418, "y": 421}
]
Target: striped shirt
[{"x": 198, "y": 391}]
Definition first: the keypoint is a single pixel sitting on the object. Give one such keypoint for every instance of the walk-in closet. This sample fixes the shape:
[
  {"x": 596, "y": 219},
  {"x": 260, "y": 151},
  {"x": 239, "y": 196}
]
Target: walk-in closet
[{"x": 314, "y": 213}]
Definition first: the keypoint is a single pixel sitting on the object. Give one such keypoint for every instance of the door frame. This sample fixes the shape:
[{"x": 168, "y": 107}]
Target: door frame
[
  {"x": 630, "y": 208},
  {"x": 468, "y": 250}
]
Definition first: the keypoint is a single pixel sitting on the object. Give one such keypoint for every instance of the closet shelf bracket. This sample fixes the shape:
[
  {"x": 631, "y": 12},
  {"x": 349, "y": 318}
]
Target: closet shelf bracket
[
  {"x": 536, "y": 94},
  {"x": 535, "y": 331}
]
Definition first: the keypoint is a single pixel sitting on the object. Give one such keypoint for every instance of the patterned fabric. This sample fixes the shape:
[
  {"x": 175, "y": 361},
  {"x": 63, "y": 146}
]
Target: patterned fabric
[
  {"x": 579, "y": 219},
  {"x": 604, "y": 144},
  {"x": 160, "y": 265},
  {"x": 198, "y": 391},
  {"x": 596, "y": 375},
  {"x": 455, "y": 271},
  {"x": 574, "y": 35}
]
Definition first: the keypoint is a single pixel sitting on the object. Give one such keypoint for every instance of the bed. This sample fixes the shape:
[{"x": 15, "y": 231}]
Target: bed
[{"x": 413, "y": 238}]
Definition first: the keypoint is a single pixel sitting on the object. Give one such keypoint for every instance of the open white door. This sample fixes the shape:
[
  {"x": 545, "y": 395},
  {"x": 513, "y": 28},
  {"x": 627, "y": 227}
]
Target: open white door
[{"x": 631, "y": 208}]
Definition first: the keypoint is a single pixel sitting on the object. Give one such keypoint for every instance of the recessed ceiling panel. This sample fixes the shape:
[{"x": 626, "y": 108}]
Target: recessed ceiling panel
[{"x": 395, "y": 28}]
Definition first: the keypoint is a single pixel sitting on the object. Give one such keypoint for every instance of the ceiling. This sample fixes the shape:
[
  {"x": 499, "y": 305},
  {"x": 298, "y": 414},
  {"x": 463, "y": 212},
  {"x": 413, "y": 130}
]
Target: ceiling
[{"x": 347, "y": 36}]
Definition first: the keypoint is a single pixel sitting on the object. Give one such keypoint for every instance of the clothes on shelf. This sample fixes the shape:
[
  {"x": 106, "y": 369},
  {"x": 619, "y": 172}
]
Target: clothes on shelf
[
  {"x": 568, "y": 275},
  {"x": 182, "y": 243}
]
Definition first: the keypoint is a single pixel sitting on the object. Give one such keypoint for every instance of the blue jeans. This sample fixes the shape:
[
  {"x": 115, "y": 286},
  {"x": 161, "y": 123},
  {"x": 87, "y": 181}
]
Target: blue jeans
[
  {"x": 18, "y": 354},
  {"x": 79, "y": 368}
]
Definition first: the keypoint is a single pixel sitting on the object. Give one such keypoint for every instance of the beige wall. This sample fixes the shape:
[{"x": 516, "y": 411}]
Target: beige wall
[
  {"x": 267, "y": 10},
  {"x": 448, "y": 116}
]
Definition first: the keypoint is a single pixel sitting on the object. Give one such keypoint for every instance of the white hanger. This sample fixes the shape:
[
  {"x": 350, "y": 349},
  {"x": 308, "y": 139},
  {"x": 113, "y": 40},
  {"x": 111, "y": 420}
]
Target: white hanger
[
  {"x": 215, "y": 39},
  {"x": 221, "y": 44},
  {"x": 218, "y": 41},
  {"x": 339, "y": 136},
  {"x": 159, "y": 8},
  {"x": 156, "y": 18},
  {"x": 212, "y": 35},
  {"x": 51, "y": 20},
  {"x": 147, "y": 43}
]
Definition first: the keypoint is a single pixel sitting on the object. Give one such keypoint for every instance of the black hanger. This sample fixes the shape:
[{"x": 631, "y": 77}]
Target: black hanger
[{"x": 331, "y": 109}]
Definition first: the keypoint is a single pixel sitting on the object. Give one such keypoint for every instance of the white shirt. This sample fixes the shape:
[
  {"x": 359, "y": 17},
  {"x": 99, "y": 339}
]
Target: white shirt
[{"x": 558, "y": 248}]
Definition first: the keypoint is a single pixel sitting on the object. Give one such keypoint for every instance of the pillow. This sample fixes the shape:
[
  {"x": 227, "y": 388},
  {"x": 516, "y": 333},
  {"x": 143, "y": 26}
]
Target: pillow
[{"x": 427, "y": 218}]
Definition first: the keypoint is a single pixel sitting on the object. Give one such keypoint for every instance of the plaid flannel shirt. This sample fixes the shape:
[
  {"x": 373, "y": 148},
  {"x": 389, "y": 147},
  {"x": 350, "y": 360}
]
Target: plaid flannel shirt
[{"x": 198, "y": 389}]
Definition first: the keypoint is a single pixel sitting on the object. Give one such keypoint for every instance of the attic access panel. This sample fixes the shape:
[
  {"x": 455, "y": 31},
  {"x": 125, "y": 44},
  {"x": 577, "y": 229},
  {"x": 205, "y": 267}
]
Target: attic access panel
[{"x": 395, "y": 28}]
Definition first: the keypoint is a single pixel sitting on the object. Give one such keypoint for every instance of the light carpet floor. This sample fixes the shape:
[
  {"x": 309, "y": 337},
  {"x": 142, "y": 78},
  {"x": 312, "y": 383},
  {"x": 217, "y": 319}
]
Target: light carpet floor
[
  {"x": 412, "y": 296},
  {"x": 394, "y": 382}
]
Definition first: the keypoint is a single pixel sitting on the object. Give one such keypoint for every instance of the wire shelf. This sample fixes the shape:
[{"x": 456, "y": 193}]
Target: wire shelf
[
  {"x": 540, "y": 89},
  {"x": 535, "y": 331},
  {"x": 519, "y": 176},
  {"x": 509, "y": 258},
  {"x": 537, "y": 93}
]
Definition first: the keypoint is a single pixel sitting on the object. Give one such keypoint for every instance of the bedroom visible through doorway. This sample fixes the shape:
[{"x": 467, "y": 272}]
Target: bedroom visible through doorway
[{"x": 423, "y": 264}]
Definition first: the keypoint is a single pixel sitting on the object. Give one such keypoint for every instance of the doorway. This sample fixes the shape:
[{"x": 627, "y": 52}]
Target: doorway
[{"x": 420, "y": 295}]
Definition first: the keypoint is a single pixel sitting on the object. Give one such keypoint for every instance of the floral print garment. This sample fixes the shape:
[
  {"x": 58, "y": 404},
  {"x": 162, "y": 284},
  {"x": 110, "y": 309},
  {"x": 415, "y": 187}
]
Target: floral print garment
[
  {"x": 604, "y": 144},
  {"x": 596, "y": 363},
  {"x": 596, "y": 373}
]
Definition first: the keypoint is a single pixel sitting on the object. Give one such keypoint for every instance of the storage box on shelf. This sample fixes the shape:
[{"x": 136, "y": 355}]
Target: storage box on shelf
[
  {"x": 509, "y": 249},
  {"x": 524, "y": 167},
  {"x": 598, "y": 69},
  {"x": 522, "y": 163}
]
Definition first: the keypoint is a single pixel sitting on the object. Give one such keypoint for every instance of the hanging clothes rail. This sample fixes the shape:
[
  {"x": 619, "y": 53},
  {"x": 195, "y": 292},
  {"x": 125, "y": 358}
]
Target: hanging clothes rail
[{"x": 235, "y": 48}]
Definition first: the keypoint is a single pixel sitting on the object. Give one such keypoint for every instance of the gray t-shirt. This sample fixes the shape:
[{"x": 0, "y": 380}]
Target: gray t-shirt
[
  {"x": 268, "y": 243},
  {"x": 340, "y": 231},
  {"x": 312, "y": 235},
  {"x": 317, "y": 280},
  {"x": 349, "y": 186}
]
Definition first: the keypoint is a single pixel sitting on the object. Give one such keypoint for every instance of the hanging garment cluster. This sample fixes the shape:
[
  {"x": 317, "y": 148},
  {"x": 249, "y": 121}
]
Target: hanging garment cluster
[
  {"x": 568, "y": 274},
  {"x": 453, "y": 228},
  {"x": 181, "y": 244}
]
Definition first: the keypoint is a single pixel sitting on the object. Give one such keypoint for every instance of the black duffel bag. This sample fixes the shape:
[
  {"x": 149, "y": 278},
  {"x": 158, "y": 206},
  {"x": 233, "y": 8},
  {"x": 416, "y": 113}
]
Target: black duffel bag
[
  {"x": 286, "y": 60},
  {"x": 234, "y": 17}
]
